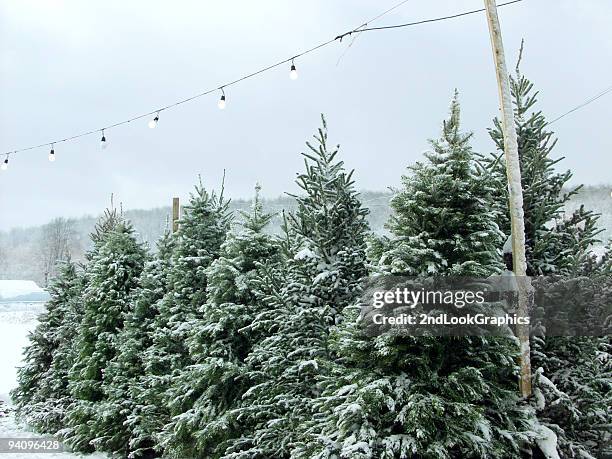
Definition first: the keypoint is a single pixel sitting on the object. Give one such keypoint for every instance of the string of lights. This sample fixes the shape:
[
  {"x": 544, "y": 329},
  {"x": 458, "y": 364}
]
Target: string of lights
[{"x": 222, "y": 102}]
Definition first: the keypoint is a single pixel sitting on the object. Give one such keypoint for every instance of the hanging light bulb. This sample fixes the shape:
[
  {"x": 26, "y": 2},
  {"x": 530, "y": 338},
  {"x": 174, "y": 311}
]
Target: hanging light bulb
[
  {"x": 154, "y": 121},
  {"x": 221, "y": 103},
  {"x": 293, "y": 72},
  {"x": 4, "y": 165},
  {"x": 52, "y": 153},
  {"x": 103, "y": 142}
]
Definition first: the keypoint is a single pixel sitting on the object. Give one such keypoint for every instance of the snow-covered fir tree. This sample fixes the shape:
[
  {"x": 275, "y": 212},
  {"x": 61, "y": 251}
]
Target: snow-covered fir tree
[
  {"x": 573, "y": 392},
  {"x": 573, "y": 374},
  {"x": 201, "y": 232},
  {"x": 605, "y": 262},
  {"x": 556, "y": 243},
  {"x": 324, "y": 261},
  {"x": 208, "y": 390},
  {"x": 42, "y": 395},
  {"x": 553, "y": 239},
  {"x": 135, "y": 417},
  {"x": 112, "y": 273},
  {"x": 394, "y": 396},
  {"x": 442, "y": 217}
]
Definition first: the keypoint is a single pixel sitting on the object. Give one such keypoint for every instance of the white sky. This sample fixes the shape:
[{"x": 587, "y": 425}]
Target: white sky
[{"x": 72, "y": 66}]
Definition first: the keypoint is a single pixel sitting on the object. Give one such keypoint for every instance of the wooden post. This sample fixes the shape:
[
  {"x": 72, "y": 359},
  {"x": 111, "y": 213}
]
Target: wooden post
[
  {"x": 515, "y": 191},
  {"x": 176, "y": 209}
]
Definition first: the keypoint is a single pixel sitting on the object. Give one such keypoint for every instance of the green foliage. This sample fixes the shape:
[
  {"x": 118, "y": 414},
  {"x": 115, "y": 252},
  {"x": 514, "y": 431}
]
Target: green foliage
[
  {"x": 442, "y": 217},
  {"x": 233, "y": 343},
  {"x": 126, "y": 388},
  {"x": 573, "y": 374},
  {"x": 42, "y": 395},
  {"x": 207, "y": 390},
  {"x": 111, "y": 276},
  {"x": 202, "y": 230},
  {"x": 555, "y": 243},
  {"x": 324, "y": 260},
  {"x": 574, "y": 391},
  {"x": 429, "y": 397}
]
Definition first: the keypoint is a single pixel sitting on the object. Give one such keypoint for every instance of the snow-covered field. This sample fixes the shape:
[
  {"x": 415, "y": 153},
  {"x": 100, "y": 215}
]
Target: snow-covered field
[
  {"x": 15, "y": 288},
  {"x": 9, "y": 429},
  {"x": 16, "y": 320}
]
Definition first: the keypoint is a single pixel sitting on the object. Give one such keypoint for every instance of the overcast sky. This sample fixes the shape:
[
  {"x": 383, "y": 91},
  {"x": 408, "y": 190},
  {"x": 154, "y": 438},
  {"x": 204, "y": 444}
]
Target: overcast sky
[{"x": 72, "y": 66}]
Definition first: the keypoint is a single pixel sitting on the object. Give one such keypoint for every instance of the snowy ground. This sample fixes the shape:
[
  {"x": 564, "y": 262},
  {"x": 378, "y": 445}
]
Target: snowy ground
[
  {"x": 9, "y": 429},
  {"x": 16, "y": 320},
  {"x": 15, "y": 288}
]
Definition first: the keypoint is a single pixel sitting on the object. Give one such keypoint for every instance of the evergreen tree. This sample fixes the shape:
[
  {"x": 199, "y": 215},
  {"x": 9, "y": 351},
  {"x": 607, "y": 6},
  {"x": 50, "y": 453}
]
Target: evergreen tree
[
  {"x": 42, "y": 393},
  {"x": 573, "y": 392},
  {"x": 202, "y": 230},
  {"x": 324, "y": 260},
  {"x": 133, "y": 414},
  {"x": 42, "y": 396},
  {"x": 606, "y": 260},
  {"x": 111, "y": 275},
  {"x": 442, "y": 218},
  {"x": 553, "y": 240},
  {"x": 573, "y": 374},
  {"x": 208, "y": 390},
  {"x": 555, "y": 244},
  {"x": 397, "y": 396}
]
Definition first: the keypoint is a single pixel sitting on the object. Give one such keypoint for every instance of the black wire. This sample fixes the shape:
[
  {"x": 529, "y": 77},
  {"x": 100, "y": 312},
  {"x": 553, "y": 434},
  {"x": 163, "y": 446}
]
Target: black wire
[
  {"x": 426, "y": 21},
  {"x": 361, "y": 28},
  {"x": 583, "y": 104}
]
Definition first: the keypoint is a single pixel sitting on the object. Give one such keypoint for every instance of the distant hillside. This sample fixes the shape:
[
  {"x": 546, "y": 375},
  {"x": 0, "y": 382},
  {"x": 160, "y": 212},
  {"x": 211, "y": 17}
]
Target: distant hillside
[{"x": 21, "y": 250}]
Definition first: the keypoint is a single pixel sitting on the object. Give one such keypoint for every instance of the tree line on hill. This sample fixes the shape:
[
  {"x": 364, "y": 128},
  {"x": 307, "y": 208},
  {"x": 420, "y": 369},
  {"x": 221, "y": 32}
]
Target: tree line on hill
[
  {"x": 234, "y": 341},
  {"x": 33, "y": 253}
]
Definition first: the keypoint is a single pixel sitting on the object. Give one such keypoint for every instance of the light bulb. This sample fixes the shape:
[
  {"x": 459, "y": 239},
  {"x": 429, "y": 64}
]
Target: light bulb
[
  {"x": 221, "y": 103},
  {"x": 153, "y": 122},
  {"x": 52, "y": 155},
  {"x": 103, "y": 142},
  {"x": 4, "y": 165},
  {"x": 293, "y": 73}
]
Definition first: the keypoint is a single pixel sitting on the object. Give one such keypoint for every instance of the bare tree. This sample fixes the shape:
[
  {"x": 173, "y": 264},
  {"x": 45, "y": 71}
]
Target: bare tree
[
  {"x": 3, "y": 256},
  {"x": 56, "y": 241}
]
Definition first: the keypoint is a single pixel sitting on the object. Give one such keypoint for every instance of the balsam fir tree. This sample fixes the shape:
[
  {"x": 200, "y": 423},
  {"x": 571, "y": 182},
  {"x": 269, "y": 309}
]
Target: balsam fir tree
[
  {"x": 556, "y": 243},
  {"x": 442, "y": 218},
  {"x": 605, "y": 264},
  {"x": 42, "y": 393},
  {"x": 324, "y": 261},
  {"x": 573, "y": 392},
  {"x": 42, "y": 396},
  {"x": 133, "y": 414},
  {"x": 553, "y": 240},
  {"x": 112, "y": 273},
  {"x": 573, "y": 374},
  {"x": 202, "y": 230},
  {"x": 207, "y": 391},
  {"x": 394, "y": 396}
]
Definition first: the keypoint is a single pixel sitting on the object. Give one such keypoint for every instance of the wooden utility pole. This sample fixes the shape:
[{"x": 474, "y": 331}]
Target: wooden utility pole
[
  {"x": 515, "y": 191},
  {"x": 176, "y": 209}
]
